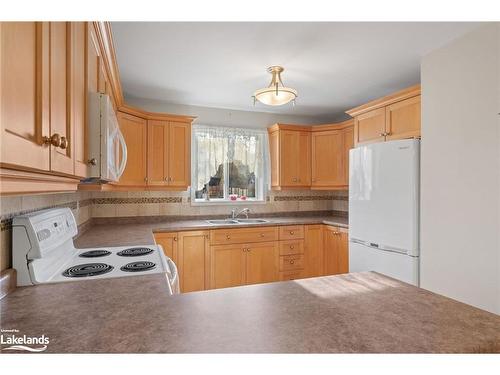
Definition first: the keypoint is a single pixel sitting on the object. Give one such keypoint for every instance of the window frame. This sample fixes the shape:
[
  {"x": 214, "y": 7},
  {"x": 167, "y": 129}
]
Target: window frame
[{"x": 263, "y": 196}]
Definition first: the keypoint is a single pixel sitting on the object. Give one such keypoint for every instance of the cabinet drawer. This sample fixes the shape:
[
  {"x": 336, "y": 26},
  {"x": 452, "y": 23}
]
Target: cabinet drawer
[
  {"x": 291, "y": 232},
  {"x": 291, "y": 247},
  {"x": 291, "y": 275},
  {"x": 243, "y": 235},
  {"x": 291, "y": 262}
]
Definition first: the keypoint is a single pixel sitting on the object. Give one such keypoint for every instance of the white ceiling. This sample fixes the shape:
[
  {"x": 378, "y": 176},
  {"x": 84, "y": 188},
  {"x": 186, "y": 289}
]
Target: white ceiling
[{"x": 334, "y": 66}]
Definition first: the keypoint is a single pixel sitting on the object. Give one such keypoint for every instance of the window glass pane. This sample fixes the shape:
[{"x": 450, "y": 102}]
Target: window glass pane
[
  {"x": 210, "y": 169},
  {"x": 243, "y": 166}
]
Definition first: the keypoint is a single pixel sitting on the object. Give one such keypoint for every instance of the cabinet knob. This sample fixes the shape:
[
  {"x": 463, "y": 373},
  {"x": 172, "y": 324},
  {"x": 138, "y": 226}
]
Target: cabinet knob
[
  {"x": 175, "y": 238},
  {"x": 388, "y": 133},
  {"x": 291, "y": 232},
  {"x": 64, "y": 143},
  {"x": 294, "y": 179},
  {"x": 262, "y": 235},
  {"x": 145, "y": 179},
  {"x": 382, "y": 134},
  {"x": 228, "y": 237},
  {"x": 291, "y": 261},
  {"x": 54, "y": 140},
  {"x": 92, "y": 161},
  {"x": 291, "y": 247}
]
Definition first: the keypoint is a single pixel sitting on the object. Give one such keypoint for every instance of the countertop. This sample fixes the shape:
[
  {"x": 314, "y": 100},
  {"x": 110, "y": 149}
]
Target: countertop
[
  {"x": 359, "y": 312},
  {"x": 122, "y": 233}
]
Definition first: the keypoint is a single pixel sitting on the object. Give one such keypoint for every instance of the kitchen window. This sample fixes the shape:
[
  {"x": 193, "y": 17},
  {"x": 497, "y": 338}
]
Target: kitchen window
[{"x": 229, "y": 165}]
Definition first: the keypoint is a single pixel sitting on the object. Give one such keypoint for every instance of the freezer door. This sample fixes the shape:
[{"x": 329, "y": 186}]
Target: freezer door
[
  {"x": 399, "y": 266},
  {"x": 384, "y": 194}
]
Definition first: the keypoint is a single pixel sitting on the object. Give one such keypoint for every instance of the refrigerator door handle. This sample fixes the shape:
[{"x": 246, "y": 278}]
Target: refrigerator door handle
[{"x": 380, "y": 247}]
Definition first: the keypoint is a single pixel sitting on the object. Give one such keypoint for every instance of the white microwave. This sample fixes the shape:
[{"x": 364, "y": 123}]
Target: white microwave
[{"x": 107, "y": 148}]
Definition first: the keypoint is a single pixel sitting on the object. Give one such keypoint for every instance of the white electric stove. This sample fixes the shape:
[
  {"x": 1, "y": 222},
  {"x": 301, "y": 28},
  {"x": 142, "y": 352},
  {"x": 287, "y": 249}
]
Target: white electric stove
[{"x": 43, "y": 252}]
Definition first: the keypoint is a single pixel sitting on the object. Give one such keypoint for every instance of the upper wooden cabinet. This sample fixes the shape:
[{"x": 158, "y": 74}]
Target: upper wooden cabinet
[
  {"x": 396, "y": 116},
  {"x": 135, "y": 132},
  {"x": 24, "y": 85},
  {"x": 159, "y": 151},
  {"x": 43, "y": 68},
  {"x": 290, "y": 149},
  {"x": 330, "y": 155}
]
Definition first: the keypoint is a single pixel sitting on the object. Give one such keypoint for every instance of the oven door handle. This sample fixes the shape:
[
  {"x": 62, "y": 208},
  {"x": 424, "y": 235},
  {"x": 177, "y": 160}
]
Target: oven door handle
[{"x": 174, "y": 276}]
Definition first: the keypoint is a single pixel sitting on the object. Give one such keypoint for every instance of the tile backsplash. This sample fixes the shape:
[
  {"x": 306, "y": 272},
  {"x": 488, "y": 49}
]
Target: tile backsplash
[{"x": 87, "y": 205}]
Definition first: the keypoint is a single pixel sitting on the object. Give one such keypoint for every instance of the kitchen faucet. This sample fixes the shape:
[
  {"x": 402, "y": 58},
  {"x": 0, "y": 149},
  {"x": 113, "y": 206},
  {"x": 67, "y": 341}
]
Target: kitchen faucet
[{"x": 235, "y": 214}]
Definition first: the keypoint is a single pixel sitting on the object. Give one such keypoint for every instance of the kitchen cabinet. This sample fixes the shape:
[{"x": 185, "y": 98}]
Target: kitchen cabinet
[
  {"x": 193, "y": 260},
  {"x": 402, "y": 119},
  {"x": 169, "y": 153},
  {"x": 262, "y": 262},
  {"x": 47, "y": 68},
  {"x": 240, "y": 264},
  {"x": 330, "y": 155},
  {"x": 168, "y": 241},
  {"x": 290, "y": 149},
  {"x": 336, "y": 253},
  {"x": 313, "y": 251},
  {"x": 396, "y": 116},
  {"x": 134, "y": 130},
  {"x": 78, "y": 97},
  {"x": 24, "y": 80}
]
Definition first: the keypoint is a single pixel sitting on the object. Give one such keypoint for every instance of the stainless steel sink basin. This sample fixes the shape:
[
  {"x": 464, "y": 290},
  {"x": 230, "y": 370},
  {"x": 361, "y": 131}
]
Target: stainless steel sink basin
[
  {"x": 252, "y": 221},
  {"x": 223, "y": 222},
  {"x": 236, "y": 221}
]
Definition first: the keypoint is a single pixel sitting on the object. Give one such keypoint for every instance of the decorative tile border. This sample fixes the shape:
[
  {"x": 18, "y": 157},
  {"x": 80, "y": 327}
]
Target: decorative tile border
[
  {"x": 137, "y": 200},
  {"x": 309, "y": 198}
]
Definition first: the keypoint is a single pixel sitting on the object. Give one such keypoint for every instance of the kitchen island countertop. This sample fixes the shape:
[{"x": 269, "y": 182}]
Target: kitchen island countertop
[{"x": 359, "y": 312}]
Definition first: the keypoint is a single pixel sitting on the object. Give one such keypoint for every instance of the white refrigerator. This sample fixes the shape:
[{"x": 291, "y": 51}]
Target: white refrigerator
[{"x": 384, "y": 209}]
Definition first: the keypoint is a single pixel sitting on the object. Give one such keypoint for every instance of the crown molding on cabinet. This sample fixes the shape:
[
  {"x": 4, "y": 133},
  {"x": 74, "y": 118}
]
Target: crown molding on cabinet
[
  {"x": 155, "y": 116},
  {"x": 409, "y": 92}
]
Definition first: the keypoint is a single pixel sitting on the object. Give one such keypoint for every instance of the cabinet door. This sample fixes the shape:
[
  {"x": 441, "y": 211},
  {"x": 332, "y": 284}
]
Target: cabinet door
[
  {"x": 134, "y": 131},
  {"x": 24, "y": 74},
  {"x": 347, "y": 144},
  {"x": 227, "y": 267},
  {"x": 403, "y": 119},
  {"x": 369, "y": 127},
  {"x": 60, "y": 157},
  {"x": 262, "y": 262},
  {"x": 327, "y": 160},
  {"x": 331, "y": 266},
  {"x": 313, "y": 250},
  {"x": 168, "y": 242},
  {"x": 179, "y": 154},
  {"x": 343, "y": 250},
  {"x": 92, "y": 60},
  {"x": 304, "y": 159},
  {"x": 193, "y": 261},
  {"x": 78, "y": 96},
  {"x": 157, "y": 152},
  {"x": 289, "y": 149}
]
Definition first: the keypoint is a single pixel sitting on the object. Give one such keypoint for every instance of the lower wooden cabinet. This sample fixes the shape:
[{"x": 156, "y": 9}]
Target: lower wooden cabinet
[
  {"x": 193, "y": 260},
  {"x": 313, "y": 250},
  {"x": 336, "y": 252},
  {"x": 298, "y": 252},
  {"x": 240, "y": 264}
]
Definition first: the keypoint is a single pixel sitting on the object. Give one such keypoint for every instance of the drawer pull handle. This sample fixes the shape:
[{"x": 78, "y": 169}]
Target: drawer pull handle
[
  {"x": 262, "y": 235},
  {"x": 291, "y": 261},
  {"x": 291, "y": 232},
  {"x": 228, "y": 237},
  {"x": 291, "y": 247}
]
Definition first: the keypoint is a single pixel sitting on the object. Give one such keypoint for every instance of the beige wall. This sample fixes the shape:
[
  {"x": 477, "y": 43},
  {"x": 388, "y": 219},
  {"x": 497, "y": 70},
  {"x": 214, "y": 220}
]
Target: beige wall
[
  {"x": 86, "y": 205},
  {"x": 460, "y": 237}
]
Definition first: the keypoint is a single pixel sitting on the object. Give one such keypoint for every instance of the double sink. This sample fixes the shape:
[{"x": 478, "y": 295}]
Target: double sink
[{"x": 237, "y": 221}]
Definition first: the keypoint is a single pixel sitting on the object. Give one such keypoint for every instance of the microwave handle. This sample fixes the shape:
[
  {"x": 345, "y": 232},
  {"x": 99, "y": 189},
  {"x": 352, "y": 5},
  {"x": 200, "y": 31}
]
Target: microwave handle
[{"x": 123, "y": 162}]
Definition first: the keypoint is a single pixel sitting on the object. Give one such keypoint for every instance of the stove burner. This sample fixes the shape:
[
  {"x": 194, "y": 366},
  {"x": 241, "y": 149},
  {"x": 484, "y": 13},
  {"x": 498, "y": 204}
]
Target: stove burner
[
  {"x": 89, "y": 269},
  {"x": 95, "y": 253},
  {"x": 138, "y": 266},
  {"x": 134, "y": 252}
]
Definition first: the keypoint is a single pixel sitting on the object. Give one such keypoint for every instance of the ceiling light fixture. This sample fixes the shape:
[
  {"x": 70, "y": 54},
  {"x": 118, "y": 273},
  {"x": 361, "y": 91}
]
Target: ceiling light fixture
[{"x": 276, "y": 93}]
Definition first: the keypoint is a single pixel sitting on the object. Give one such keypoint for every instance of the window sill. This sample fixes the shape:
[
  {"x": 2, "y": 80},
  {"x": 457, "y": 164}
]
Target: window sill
[{"x": 228, "y": 203}]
